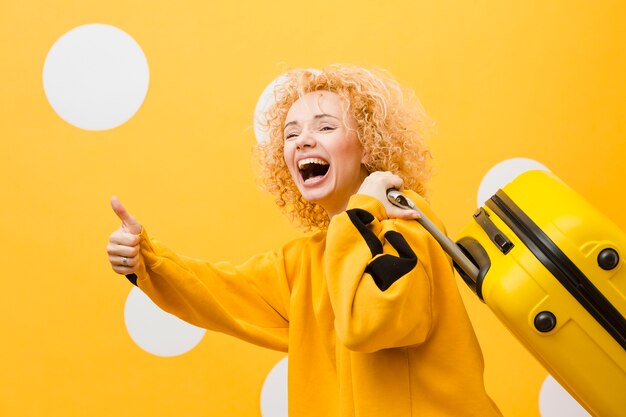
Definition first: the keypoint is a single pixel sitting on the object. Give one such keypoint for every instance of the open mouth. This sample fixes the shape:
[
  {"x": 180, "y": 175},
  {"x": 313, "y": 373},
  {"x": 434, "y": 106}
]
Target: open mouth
[{"x": 312, "y": 168}]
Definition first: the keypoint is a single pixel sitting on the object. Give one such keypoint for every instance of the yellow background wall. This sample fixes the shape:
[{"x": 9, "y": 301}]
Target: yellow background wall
[{"x": 533, "y": 79}]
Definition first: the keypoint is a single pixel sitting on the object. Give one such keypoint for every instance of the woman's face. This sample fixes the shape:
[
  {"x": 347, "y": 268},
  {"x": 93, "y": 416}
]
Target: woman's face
[{"x": 322, "y": 150}]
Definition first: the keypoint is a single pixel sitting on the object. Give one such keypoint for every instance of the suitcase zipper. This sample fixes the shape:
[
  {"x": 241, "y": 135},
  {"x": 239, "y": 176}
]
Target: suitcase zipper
[{"x": 561, "y": 267}]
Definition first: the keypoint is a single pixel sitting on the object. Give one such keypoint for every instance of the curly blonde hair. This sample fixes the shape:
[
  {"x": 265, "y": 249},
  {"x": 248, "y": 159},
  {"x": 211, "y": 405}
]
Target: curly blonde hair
[{"x": 391, "y": 128}]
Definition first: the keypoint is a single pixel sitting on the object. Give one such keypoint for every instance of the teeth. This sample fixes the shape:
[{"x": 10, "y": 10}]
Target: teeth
[{"x": 318, "y": 161}]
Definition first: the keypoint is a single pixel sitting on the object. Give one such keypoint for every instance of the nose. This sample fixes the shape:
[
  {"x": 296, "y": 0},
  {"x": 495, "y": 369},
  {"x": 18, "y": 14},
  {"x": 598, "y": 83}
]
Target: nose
[{"x": 306, "y": 139}]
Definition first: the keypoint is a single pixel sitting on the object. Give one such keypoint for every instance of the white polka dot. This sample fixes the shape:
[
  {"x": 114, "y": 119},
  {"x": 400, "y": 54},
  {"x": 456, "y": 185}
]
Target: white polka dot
[
  {"x": 156, "y": 331},
  {"x": 274, "y": 392},
  {"x": 554, "y": 401},
  {"x": 96, "y": 77},
  {"x": 503, "y": 173},
  {"x": 265, "y": 101}
]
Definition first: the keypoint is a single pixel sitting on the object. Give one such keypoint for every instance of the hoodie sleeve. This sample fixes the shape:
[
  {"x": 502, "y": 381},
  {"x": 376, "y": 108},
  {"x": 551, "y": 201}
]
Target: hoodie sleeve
[
  {"x": 248, "y": 301},
  {"x": 381, "y": 275}
]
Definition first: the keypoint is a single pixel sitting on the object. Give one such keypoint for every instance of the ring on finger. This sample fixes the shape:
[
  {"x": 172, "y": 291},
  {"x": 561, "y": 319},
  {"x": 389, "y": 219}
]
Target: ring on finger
[{"x": 124, "y": 261}]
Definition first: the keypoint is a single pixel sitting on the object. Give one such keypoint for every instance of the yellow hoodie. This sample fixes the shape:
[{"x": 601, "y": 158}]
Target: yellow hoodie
[{"x": 369, "y": 313}]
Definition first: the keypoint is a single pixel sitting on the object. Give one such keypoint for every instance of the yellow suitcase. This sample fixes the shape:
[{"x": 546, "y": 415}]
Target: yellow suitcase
[{"x": 550, "y": 266}]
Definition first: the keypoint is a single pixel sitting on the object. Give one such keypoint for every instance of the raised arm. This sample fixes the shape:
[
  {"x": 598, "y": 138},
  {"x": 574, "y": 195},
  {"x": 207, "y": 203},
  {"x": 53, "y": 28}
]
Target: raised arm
[
  {"x": 382, "y": 275},
  {"x": 249, "y": 301}
]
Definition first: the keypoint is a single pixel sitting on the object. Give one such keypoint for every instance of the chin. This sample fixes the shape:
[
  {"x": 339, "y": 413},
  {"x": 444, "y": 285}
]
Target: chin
[{"x": 312, "y": 197}]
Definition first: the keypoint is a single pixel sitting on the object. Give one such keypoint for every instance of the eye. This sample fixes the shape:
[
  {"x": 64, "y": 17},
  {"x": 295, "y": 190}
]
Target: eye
[
  {"x": 327, "y": 128},
  {"x": 291, "y": 135}
]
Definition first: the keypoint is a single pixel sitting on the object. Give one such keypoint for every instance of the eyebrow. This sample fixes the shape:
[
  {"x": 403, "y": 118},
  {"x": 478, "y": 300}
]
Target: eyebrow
[{"x": 317, "y": 116}]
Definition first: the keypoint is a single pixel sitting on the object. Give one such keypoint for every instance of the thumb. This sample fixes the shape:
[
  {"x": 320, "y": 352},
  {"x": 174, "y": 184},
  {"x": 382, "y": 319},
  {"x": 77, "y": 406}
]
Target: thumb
[{"x": 129, "y": 223}]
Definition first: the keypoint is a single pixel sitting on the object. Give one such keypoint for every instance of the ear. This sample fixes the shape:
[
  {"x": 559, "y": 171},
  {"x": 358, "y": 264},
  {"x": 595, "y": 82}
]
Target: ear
[{"x": 365, "y": 158}]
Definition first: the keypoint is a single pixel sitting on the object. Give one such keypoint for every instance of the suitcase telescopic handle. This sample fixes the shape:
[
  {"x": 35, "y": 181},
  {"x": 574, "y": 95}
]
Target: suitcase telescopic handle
[{"x": 398, "y": 199}]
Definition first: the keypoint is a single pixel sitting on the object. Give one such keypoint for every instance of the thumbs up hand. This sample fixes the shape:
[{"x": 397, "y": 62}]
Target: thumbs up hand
[{"x": 123, "y": 247}]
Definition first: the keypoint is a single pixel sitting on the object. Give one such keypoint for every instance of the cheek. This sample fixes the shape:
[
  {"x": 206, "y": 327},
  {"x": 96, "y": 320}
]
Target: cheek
[
  {"x": 288, "y": 156},
  {"x": 353, "y": 151}
]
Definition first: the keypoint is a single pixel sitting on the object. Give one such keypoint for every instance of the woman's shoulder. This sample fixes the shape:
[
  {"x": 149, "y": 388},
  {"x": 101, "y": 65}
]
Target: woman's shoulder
[{"x": 309, "y": 240}]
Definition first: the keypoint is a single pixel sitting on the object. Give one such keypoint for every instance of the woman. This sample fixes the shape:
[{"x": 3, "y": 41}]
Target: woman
[{"x": 367, "y": 306}]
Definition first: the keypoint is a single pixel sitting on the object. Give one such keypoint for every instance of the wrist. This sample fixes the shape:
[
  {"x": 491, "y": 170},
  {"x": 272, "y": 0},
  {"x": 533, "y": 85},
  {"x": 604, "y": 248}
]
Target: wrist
[{"x": 368, "y": 203}]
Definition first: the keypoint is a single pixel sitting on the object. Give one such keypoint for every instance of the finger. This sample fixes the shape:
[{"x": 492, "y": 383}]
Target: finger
[
  {"x": 386, "y": 179},
  {"x": 124, "y": 261},
  {"x": 124, "y": 265},
  {"x": 394, "y": 212},
  {"x": 124, "y": 270},
  {"x": 122, "y": 250},
  {"x": 129, "y": 222},
  {"x": 124, "y": 238},
  {"x": 394, "y": 181}
]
